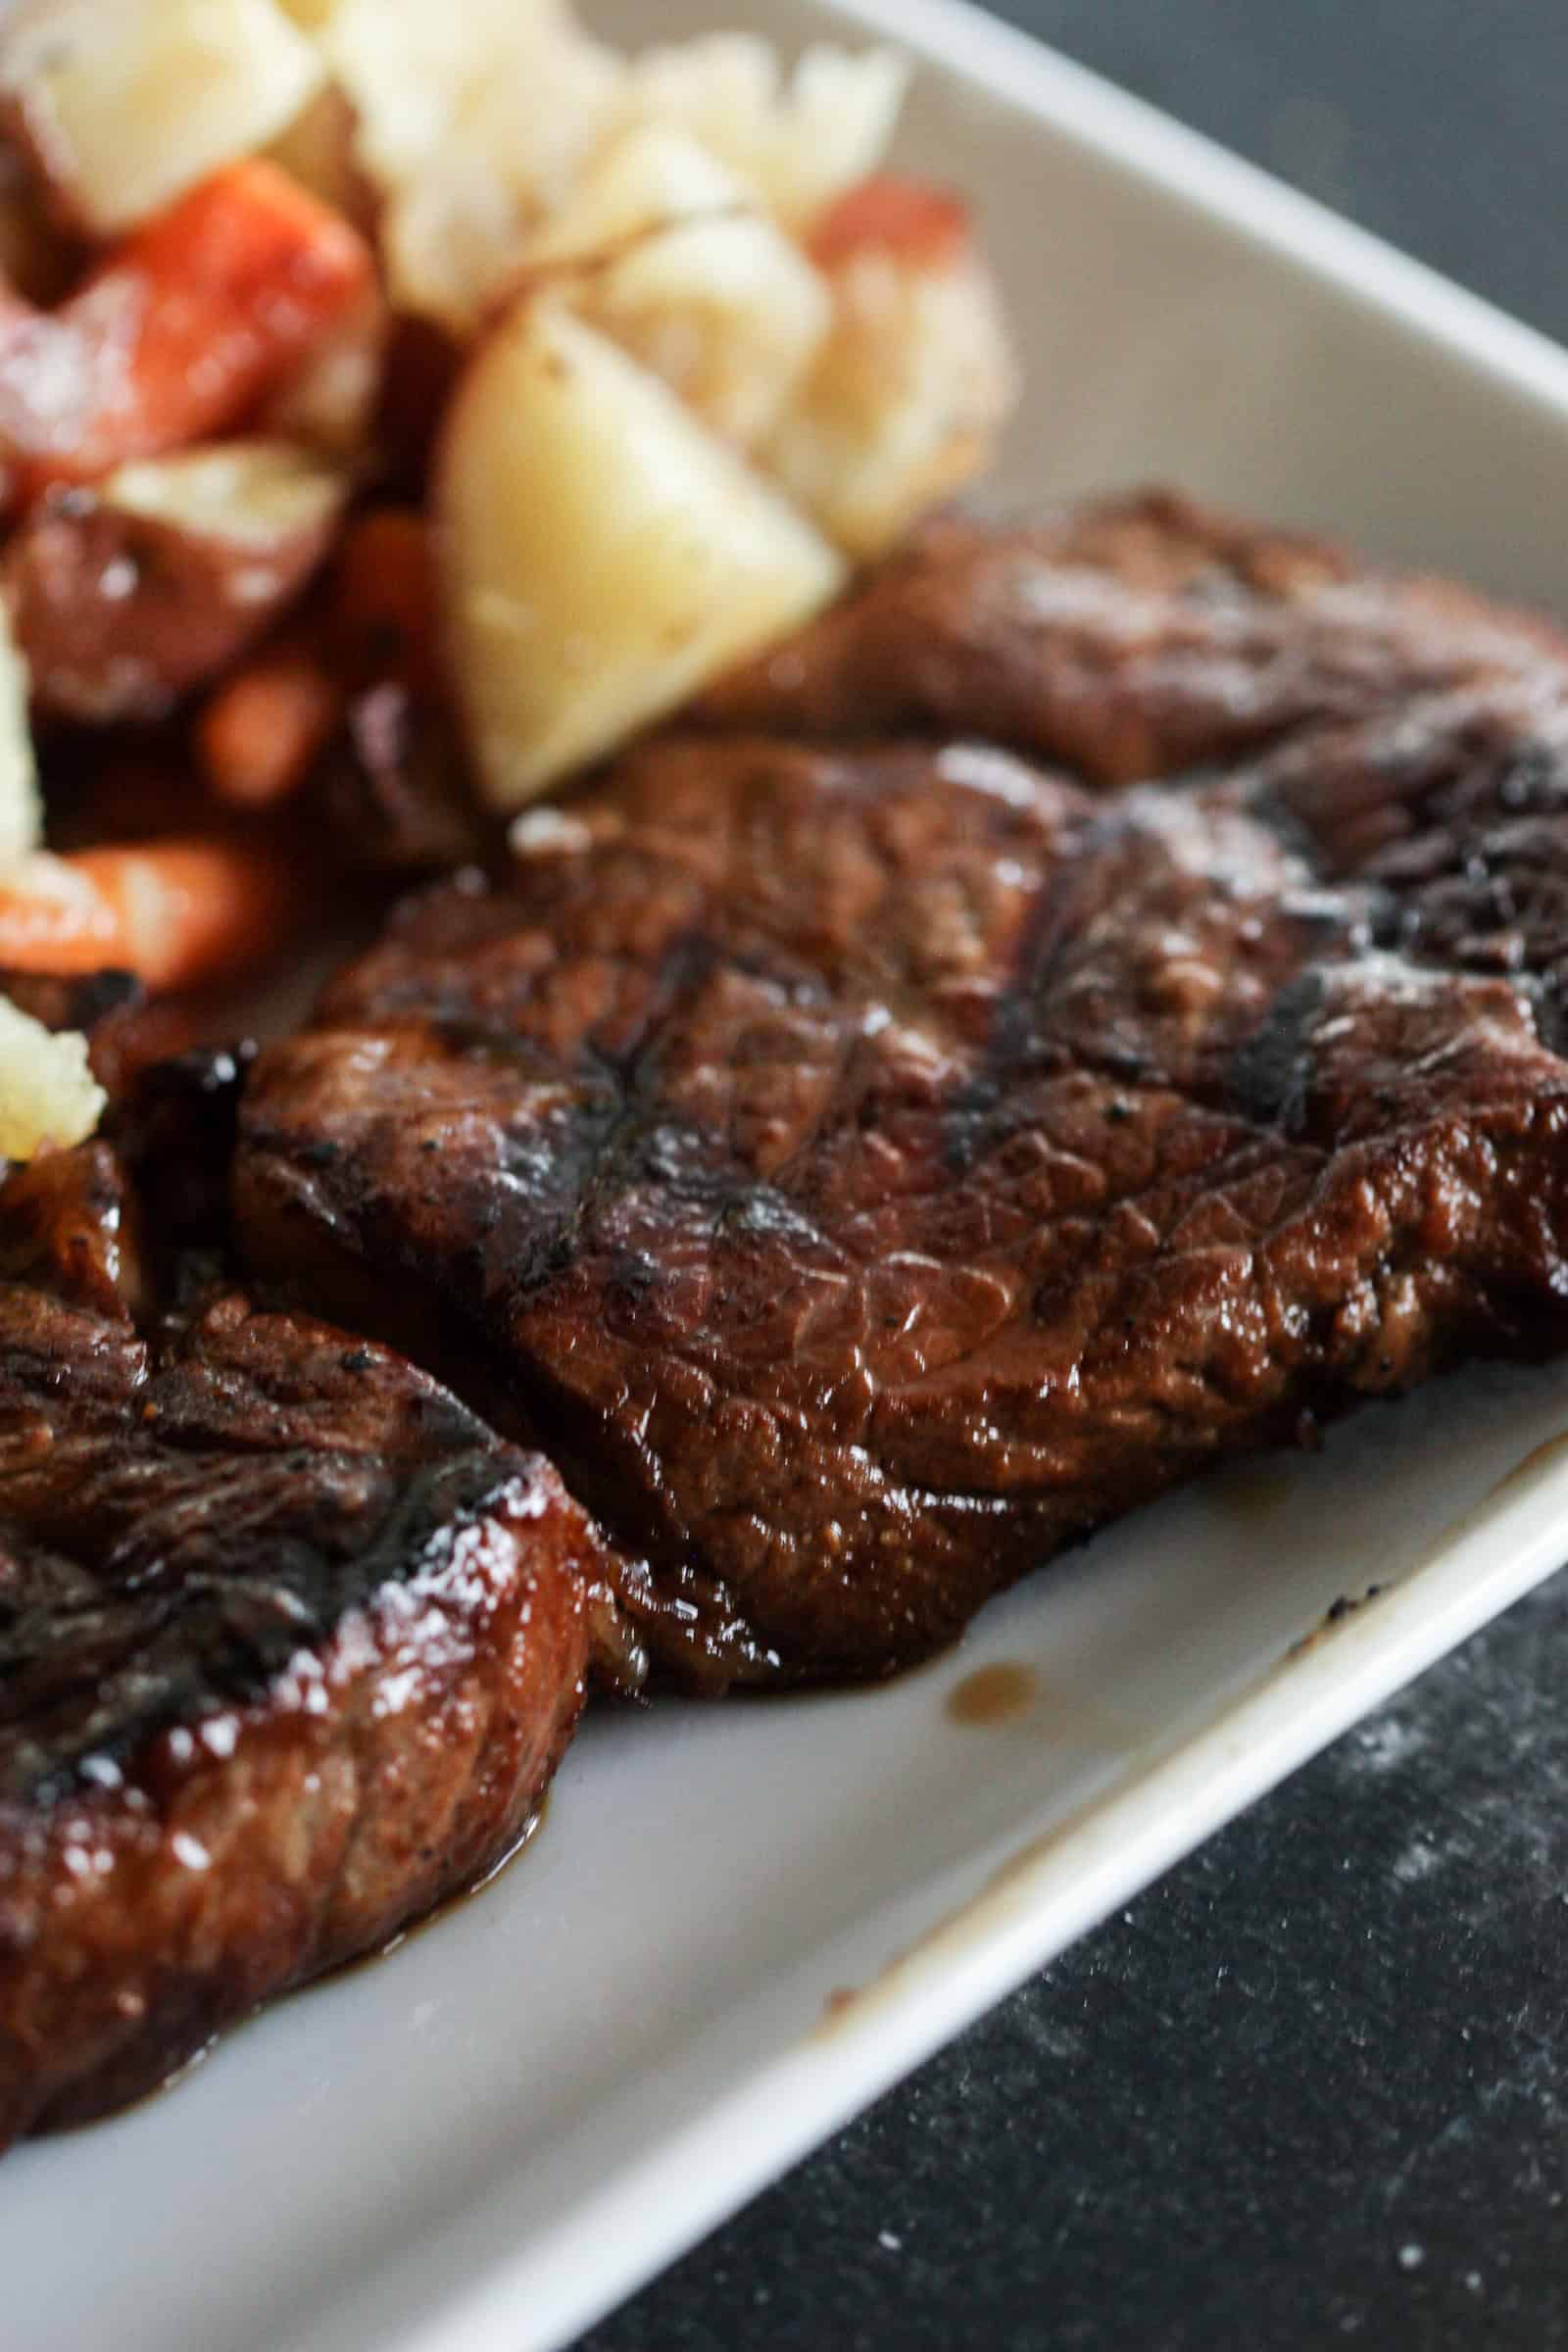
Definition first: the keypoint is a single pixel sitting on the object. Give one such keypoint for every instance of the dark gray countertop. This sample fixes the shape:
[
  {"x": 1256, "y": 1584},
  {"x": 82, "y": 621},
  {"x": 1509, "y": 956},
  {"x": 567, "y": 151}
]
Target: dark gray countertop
[{"x": 1315, "y": 2084}]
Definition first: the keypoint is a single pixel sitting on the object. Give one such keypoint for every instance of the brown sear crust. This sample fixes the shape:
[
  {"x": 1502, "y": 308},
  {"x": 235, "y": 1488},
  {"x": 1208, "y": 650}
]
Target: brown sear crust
[
  {"x": 290, "y": 1645},
  {"x": 872, "y": 1167},
  {"x": 866, "y": 1165},
  {"x": 1129, "y": 639}
]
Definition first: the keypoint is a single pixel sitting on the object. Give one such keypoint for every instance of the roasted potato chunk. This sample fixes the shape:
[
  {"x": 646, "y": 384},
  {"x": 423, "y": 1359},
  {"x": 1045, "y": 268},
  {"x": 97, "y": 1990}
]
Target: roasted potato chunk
[
  {"x": 910, "y": 389},
  {"x": 125, "y": 104},
  {"x": 602, "y": 555},
  {"x": 48, "y": 1094},
  {"x": 678, "y": 262}
]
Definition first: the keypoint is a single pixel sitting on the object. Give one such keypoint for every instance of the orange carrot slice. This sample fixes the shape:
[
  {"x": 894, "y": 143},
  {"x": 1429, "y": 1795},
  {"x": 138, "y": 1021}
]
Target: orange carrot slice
[
  {"x": 180, "y": 331},
  {"x": 175, "y": 912},
  {"x": 259, "y": 734}
]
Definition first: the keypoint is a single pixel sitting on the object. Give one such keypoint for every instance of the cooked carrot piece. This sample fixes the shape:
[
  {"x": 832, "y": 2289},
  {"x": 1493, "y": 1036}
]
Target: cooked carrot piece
[
  {"x": 910, "y": 218},
  {"x": 259, "y": 734},
  {"x": 55, "y": 919},
  {"x": 175, "y": 913},
  {"x": 180, "y": 331},
  {"x": 383, "y": 599}
]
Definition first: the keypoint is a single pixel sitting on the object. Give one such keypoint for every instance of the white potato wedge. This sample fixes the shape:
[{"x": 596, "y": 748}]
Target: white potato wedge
[
  {"x": 798, "y": 142},
  {"x": 602, "y": 554},
  {"x": 125, "y": 597},
  {"x": 125, "y": 104},
  {"x": 676, "y": 260},
  {"x": 20, "y": 804},
  {"x": 473, "y": 119},
  {"x": 48, "y": 1094},
  {"x": 905, "y": 400}
]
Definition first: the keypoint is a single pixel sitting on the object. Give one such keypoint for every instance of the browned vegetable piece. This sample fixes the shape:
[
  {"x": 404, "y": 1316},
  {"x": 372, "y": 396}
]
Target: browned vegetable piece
[
  {"x": 126, "y": 595},
  {"x": 383, "y": 600},
  {"x": 395, "y": 787}
]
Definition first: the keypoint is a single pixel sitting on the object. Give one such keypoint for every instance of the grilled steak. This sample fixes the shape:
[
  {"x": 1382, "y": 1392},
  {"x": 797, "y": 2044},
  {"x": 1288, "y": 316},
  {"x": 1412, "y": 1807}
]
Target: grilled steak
[
  {"x": 866, "y": 1156},
  {"x": 289, "y": 1647},
  {"x": 1127, "y": 640},
  {"x": 872, "y": 1167}
]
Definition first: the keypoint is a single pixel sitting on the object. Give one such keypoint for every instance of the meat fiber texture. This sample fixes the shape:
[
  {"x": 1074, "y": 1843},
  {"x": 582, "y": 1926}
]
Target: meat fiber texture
[
  {"x": 1092, "y": 1007},
  {"x": 289, "y": 1647},
  {"x": 870, "y": 1155}
]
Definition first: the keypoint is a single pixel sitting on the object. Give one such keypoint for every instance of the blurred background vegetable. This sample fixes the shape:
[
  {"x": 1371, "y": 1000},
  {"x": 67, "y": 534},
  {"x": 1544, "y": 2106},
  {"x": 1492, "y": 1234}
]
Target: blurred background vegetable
[{"x": 401, "y": 405}]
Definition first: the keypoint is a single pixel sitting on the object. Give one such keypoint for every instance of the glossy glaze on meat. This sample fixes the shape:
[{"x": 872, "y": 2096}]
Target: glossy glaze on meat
[
  {"x": 862, "y": 1149},
  {"x": 289, "y": 1647},
  {"x": 872, "y": 1166}
]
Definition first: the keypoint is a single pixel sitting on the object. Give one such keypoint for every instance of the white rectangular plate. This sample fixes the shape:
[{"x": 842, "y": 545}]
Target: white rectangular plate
[{"x": 481, "y": 2144}]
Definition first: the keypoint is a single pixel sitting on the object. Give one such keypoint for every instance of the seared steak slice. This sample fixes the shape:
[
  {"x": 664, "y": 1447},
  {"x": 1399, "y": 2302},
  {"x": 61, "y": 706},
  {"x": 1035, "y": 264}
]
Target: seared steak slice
[
  {"x": 289, "y": 1647},
  {"x": 434, "y": 1162},
  {"x": 875, "y": 1168},
  {"x": 1126, "y": 640}
]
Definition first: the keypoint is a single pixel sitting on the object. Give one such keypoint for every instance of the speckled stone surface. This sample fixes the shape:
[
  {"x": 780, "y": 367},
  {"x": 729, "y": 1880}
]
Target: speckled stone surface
[{"x": 1313, "y": 2086}]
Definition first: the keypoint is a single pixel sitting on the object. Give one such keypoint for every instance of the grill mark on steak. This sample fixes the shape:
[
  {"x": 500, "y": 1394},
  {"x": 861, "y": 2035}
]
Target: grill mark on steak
[
  {"x": 1012, "y": 1155},
  {"x": 865, "y": 1166},
  {"x": 1270, "y": 1072},
  {"x": 290, "y": 1644}
]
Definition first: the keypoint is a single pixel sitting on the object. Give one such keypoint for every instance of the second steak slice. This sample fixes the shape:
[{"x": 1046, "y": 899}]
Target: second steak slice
[
  {"x": 872, "y": 1169},
  {"x": 290, "y": 1645}
]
